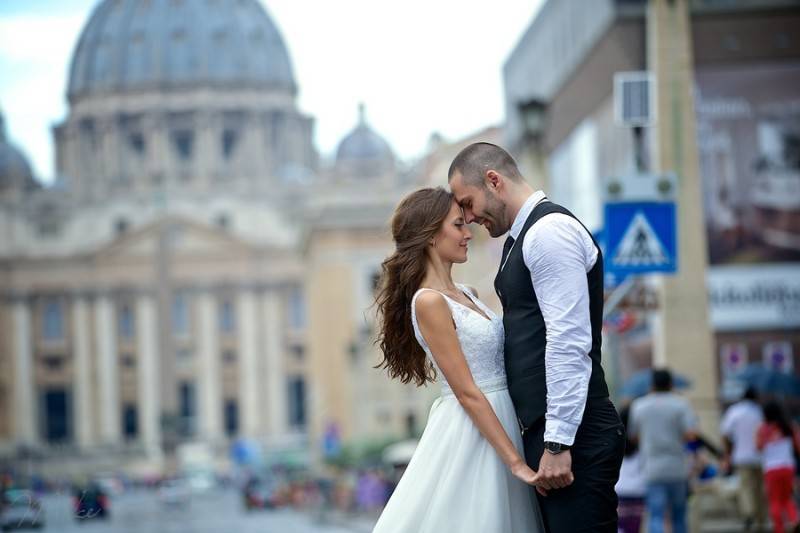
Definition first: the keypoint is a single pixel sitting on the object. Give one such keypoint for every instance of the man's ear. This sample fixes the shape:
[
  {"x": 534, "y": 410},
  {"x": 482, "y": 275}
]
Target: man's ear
[{"x": 493, "y": 180}]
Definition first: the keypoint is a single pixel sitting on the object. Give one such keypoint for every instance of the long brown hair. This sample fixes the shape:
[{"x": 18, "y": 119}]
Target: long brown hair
[{"x": 417, "y": 219}]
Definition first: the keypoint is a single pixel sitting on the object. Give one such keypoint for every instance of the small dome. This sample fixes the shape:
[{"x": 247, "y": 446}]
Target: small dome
[
  {"x": 130, "y": 45},
  {"x": 364, "y": 145},
  {"x": 15, "y": 171}
]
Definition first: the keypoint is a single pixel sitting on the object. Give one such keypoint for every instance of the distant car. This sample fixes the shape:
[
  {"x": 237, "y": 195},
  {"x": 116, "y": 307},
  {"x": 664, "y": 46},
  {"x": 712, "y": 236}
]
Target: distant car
[
  {"x": 200, "y": 481},
  {"x": 90, "y": 502},
  {"x": 20, "y": 508},
  {"x": 260, "y": 494},
  {"x": 174, "y": 492}
]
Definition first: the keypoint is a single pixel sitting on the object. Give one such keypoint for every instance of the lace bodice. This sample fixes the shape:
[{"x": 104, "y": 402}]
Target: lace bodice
[{"x": 481, "y": 339}]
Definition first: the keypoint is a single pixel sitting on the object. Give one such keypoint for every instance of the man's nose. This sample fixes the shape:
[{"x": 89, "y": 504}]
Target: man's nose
[{"x": 469, "y": 218}]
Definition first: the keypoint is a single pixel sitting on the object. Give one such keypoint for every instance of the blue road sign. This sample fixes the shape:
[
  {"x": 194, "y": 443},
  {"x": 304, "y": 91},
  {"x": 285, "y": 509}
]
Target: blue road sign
[{"x": 640, "y": 238}]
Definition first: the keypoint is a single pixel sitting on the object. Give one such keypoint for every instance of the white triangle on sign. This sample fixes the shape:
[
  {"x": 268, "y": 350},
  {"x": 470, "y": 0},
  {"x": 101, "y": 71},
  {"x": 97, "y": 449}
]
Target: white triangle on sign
[{"x": 640, "y": 245}]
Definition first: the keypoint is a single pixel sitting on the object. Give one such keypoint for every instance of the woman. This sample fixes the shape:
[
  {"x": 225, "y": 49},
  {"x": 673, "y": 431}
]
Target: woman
[
  {"x": 467, "y": 473},
  {"x": 777, "y": 441},
  {"x": 632, "y": 485}
]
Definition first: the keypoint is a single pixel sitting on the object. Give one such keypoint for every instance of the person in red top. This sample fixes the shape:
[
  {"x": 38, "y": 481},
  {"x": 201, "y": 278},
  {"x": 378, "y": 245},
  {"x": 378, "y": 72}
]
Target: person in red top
[{"x": 778, "y": 441}]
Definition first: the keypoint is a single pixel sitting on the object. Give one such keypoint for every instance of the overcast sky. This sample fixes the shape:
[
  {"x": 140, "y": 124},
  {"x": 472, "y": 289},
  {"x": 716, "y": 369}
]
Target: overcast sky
[{"x": 419, "y": 66}]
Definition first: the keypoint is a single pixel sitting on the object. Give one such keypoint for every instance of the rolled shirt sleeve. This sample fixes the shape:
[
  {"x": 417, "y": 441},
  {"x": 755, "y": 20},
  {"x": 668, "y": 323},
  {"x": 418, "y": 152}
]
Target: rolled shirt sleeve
[{"x": 559, "y": 252}]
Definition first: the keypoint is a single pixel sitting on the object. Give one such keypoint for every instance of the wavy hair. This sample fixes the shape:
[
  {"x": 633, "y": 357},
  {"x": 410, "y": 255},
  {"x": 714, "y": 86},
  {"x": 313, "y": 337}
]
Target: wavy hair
[{"x": 417, "y": 219}]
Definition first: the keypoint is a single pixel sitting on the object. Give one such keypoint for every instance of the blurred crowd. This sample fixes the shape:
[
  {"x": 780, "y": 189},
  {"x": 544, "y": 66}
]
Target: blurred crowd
[{"x": 672, "y": 475}]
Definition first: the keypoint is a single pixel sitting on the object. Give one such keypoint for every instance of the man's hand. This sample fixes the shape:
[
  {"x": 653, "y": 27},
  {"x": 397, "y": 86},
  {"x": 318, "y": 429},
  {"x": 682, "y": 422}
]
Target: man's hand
[{"x": 555, "y": 472}]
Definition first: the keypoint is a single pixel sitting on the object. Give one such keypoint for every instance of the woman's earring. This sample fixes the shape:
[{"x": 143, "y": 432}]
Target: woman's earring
[{"x": 433, "y": 243}]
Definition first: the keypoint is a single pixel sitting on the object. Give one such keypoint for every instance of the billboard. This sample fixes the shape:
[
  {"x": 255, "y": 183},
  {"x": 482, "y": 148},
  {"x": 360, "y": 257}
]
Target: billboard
[{"x": 748, "y": 120}]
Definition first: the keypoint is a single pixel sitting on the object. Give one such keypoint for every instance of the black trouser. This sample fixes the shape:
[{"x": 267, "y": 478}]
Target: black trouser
[{"x": 590, "y": 503}]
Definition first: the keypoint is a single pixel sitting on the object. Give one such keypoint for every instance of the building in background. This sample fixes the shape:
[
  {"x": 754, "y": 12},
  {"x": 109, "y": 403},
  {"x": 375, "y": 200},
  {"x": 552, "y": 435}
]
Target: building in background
[
  {"x": 194, "y": 275},
  {"x": 560, "y": 114}
]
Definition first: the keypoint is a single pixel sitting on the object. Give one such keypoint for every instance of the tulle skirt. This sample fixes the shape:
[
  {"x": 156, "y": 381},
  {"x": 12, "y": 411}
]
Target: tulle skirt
[{"x": 456, "y": 480}]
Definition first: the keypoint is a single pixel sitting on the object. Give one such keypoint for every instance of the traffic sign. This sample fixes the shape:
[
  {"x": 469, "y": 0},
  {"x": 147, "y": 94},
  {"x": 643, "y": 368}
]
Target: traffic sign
[{"x": 640, "y": 238}]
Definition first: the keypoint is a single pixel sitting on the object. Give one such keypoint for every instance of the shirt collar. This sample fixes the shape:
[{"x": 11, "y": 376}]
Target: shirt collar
[{"x": 524, "y": 212}]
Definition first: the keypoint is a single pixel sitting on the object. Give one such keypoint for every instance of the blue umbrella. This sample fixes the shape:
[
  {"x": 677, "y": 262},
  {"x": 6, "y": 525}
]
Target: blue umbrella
[
  {"x": 767, "y": 380},
  {"x": 641, "y": 383}
]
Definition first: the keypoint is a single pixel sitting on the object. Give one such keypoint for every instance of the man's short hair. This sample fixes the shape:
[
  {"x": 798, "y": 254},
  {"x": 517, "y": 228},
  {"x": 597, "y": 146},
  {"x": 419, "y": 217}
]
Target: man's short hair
[
  {"x": 474, "y": 160},
  {"x": 662, "y": 380}
]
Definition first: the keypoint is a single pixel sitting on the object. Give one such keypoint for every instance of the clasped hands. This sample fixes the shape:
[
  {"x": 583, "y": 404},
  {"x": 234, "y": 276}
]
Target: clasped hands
[{"x": 555, "y": 472}]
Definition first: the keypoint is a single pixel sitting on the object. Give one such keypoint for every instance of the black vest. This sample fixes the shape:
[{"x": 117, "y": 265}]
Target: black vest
[{"x": 525, "y": 328}]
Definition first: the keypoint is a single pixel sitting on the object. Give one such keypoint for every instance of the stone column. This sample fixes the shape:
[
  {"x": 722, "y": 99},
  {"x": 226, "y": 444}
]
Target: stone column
[
  {"x": 248, "y": 368},
  {"x": 25, "y": 412},
  {"x": 683, "y": 337},
  {"x": 107, "y": 370},
  {"x": 148, "y": 372},
  {"x": 210, "y": 401},
  {"x": 275, "y": 394},
  {"x": 81, "y": 375}
]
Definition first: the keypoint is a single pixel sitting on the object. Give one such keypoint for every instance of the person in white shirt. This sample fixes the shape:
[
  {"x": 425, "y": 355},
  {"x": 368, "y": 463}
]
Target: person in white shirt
[
  {"x": 738, "y": 428},
  {"x": 550, "y": 283}
]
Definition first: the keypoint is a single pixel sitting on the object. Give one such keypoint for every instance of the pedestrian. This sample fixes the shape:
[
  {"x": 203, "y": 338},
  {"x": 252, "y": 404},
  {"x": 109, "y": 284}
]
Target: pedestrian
[
  {"x": 632, "y": 486},
  {"x": 663, "y": 422},
  {"x": 738, "y": 428},
  {"x": 777, "y": 439}
]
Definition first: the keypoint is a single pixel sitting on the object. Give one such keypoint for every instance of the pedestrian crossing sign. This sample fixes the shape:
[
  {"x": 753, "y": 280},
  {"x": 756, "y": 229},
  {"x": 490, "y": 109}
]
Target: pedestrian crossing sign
[{"x": 640, "y": 238}]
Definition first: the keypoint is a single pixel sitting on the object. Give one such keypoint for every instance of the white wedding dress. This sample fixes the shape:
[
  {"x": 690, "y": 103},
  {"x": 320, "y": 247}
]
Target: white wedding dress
[{"x": 455, "y": 481}]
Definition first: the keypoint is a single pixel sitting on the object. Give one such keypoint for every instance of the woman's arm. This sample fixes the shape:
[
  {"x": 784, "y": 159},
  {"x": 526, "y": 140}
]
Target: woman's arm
[
  {"x": 437, "y": 328},
  {"x": 761, "y": 436}
]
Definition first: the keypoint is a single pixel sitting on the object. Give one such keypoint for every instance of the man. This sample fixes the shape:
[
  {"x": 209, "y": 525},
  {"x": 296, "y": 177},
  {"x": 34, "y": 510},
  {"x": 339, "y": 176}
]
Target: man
[
  {"x": 550, "y": 283},
  {"x": 663, "y": 423},
  {"x": 738, "y": 430}
]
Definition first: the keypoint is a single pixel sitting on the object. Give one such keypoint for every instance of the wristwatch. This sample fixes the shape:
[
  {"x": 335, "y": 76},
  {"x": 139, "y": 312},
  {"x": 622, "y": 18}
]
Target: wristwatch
[{"x": 555, "y": 447}]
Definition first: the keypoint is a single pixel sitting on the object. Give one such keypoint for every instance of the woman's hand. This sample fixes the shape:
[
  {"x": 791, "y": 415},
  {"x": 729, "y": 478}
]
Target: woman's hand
[{"x": 523, "y": 472}]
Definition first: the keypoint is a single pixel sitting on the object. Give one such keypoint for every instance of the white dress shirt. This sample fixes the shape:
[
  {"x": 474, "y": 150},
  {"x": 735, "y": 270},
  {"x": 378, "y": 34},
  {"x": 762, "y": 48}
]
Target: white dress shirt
[
  {"x": 739, "y": 424},
  {"x": 559, "y": 253}
]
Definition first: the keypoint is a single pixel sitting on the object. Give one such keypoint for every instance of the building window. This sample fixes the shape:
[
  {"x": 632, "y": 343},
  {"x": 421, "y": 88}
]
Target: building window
[
  {"x": 375, "y": 281},
  {"x": 136, "y": 140},
  {"x": 130, "y": 421},
  {"x": 298, "y": 351},
  {"x": 228, "y": 357},
  {"x": 223, "y": 221},
  {"x": 183, "y": 141},
  {"x": 297, "y": 309},
  {"x": 120, "y": 226},
  {"x": 126, "y": 322},
  {"x": 53, "y": 363},
  {"x": 180, "y": 314},
  {"x": 57, "y": 423},
  {"x": 231, "y": 410},
  {"x": 127, "y": 360},
  {"x": 186, "y": 408},
  {"x": 229, "y": 139},
  {"x": 297, "y": 402},
  {"x": 227, "y": 316},
  {"x": 53, "y": 319}
]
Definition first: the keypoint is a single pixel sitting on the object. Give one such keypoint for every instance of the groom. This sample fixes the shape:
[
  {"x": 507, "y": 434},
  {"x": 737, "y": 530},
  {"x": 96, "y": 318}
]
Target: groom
[{"x": 550, "y": 283}]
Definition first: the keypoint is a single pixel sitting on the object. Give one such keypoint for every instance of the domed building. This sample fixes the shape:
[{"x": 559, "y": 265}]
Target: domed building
[
  {"x": 363, "y": 153},
  {"x": 192, "y": 276},
  {"x": 191, "y": 93},
  {"x": 16, "y": 178}
]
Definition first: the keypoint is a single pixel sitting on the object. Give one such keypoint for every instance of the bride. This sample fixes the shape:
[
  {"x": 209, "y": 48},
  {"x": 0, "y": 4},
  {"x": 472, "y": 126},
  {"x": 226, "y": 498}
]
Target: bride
[{"x": 468, "y": 473}]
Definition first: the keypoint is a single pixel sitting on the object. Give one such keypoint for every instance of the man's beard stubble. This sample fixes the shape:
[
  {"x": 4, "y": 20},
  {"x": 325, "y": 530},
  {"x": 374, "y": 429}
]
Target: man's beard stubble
[{"x": 495, "y": 209}]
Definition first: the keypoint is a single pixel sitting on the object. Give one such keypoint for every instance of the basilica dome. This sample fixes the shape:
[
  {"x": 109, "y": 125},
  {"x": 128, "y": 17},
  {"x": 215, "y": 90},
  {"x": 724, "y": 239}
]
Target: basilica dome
[
  {"x": 365, "y": 148},
  {"x": 15, "y": 171},
  {"x": 135, "y": 45}
]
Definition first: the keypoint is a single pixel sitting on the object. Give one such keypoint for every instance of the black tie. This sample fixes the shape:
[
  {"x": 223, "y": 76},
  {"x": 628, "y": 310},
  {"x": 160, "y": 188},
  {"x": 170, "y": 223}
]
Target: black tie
[{"x": 506, "y": 249}]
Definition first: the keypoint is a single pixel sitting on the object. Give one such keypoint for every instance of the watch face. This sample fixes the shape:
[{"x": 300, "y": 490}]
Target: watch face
[{"x": 554, "y": 447}]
